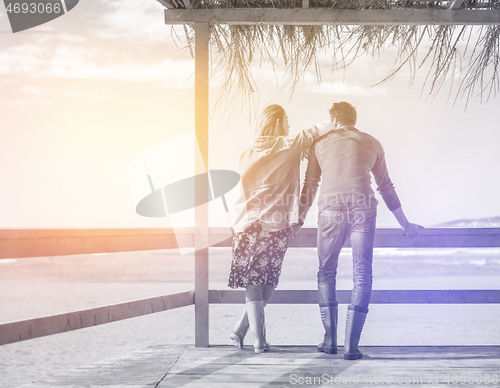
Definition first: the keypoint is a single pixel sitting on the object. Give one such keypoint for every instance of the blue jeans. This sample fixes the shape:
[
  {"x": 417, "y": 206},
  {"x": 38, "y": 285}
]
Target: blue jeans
[{"x": 335, "y": 223}]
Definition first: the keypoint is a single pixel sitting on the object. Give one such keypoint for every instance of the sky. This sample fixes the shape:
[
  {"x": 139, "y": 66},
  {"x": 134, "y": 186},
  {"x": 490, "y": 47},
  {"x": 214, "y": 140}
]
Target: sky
[{"x": 85, "y": 94}]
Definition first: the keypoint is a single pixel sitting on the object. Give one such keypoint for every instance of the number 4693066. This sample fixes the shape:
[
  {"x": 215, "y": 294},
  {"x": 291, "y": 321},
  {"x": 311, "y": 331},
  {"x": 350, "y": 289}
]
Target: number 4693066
[{"x": 34, "y": 8}]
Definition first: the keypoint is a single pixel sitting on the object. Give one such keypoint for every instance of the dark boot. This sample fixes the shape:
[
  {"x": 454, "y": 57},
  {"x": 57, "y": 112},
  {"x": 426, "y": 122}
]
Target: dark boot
[
  {"x": 329, "y": 317},
  {"x": 328, "y": 307},
  {"x": 356, "y": 317}
]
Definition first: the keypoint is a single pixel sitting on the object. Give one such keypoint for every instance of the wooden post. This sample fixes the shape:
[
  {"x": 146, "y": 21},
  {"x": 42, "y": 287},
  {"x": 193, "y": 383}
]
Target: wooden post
[{"x": 201, "y": 211}]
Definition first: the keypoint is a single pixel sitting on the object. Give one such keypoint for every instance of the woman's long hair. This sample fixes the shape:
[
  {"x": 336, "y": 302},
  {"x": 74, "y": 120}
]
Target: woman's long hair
[{"x": 267, "y": 121}]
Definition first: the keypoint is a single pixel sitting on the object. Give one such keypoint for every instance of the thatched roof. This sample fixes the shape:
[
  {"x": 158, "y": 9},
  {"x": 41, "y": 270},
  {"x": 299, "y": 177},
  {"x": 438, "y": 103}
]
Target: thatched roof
[{"x": 468, "y": 54}]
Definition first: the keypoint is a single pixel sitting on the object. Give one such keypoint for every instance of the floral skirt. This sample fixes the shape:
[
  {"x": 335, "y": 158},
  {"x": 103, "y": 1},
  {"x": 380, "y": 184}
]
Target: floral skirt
[{"x": 258, "y": 256}]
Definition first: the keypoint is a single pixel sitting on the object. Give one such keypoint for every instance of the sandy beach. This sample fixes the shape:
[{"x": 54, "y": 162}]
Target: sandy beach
[{"x": 48, "y": 285}]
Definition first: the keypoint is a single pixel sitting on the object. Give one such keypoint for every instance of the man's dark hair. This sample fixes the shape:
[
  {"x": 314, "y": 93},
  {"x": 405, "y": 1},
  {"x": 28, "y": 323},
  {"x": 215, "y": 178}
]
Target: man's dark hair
[{"x": 344, "y": 112}]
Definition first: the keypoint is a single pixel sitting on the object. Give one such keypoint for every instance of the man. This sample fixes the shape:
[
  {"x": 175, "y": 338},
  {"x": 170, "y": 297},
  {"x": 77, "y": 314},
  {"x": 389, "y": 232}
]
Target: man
[{"x": 347, "y": 207}]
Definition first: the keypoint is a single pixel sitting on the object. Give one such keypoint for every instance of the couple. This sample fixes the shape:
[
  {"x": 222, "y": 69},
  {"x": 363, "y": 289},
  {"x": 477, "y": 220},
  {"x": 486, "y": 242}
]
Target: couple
[{"x": 270, "y": 214}]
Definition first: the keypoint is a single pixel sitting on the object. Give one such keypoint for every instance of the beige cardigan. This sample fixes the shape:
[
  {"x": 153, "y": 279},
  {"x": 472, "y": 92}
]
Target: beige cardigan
[{"x": 270, "y": 181}]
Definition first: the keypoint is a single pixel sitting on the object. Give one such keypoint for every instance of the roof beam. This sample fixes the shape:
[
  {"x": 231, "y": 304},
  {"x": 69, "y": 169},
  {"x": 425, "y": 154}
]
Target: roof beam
[{"x": 322, "y": 16}]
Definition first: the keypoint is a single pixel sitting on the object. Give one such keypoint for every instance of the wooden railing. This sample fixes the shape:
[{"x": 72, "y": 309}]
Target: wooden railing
[{"x": 50, "y": 242}]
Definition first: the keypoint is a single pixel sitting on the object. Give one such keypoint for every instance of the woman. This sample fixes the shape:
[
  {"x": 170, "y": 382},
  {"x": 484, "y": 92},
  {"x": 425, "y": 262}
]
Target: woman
[{"x": 267, "y": 211}]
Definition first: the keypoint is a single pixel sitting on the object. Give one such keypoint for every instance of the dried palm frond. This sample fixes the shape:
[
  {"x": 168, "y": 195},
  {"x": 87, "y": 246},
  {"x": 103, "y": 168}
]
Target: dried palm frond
[{"x": 466, "y": 57}]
